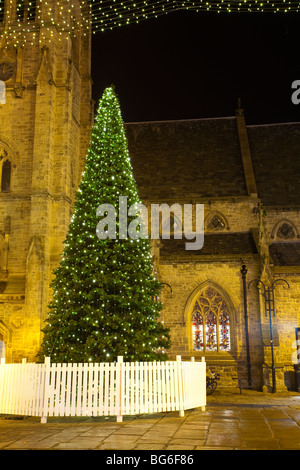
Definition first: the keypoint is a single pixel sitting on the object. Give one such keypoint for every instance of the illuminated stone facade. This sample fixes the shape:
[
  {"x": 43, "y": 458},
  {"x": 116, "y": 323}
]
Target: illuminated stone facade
[
  {"x": 248, "y": 179},
  {"x": 45, "y": 127}
]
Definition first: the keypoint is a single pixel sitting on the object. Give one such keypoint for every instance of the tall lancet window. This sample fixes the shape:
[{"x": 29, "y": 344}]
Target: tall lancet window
[
  {"x": 197, "y": 327},
  {"x": 211, "y": 322},
  {"x": 5, "y": 176}
]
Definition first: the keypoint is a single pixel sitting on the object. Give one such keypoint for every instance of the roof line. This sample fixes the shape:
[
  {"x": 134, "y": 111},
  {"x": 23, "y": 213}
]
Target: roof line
[
  {"x": 180, "y": 120},
  {"x": 274, "y": 124},
  {"x": 211, "y": 119}
]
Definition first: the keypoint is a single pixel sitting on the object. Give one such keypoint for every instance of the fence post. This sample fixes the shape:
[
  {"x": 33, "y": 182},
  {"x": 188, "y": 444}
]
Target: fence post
[
  {"x": 119, "y": 386},
  {"x": 180, "y": 385},
  {"x": 2, "y": 360},
  {"x": 45, "y": 373}
]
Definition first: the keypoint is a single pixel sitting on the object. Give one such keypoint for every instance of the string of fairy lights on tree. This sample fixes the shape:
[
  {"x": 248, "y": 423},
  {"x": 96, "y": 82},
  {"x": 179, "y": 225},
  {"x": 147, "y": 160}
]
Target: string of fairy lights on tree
[
  {"x": 105, "y": 300},
  {"x": 19, "y": 17}
]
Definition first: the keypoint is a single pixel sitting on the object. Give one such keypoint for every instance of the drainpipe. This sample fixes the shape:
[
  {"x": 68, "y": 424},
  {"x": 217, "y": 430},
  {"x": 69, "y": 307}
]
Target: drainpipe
[{"x": 244, "y": 273}]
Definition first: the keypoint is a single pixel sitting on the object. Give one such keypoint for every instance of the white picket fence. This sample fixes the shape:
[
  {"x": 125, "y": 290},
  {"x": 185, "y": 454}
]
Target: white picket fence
[{"x": 101, "y": 389}]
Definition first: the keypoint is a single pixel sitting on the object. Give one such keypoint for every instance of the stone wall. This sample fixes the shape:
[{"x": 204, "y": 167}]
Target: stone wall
[
  {"x": 44, "y": 130},
  {"x": 188, "y": 273}
]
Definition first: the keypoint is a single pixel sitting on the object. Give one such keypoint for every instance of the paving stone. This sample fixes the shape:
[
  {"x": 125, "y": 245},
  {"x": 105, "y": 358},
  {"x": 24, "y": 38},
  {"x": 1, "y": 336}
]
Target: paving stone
[
  {"x": 82, "y": 443},
  {"x": 288, "y": 425},
  {"x": 275, "y": 414},
  {"x": 260, "y": 444},
  {"x": 295, "y": 414},
  {"x": 222, "y": 440},
  {"x": 190, "y": 433},
  {"x": 289, "y": 443},
  {"x": 180, "y": 447},
  {"x": 149, "y": 446},
  {"x": 99, "y": 432},
  {"x": 156, "y": 438},
  {"x": 139, "y": 431},
  {"x": 213, "y": 448},
  {"x": 117, "y": 446},
  {"x": 191, "y": 442},
  {"x": 269, "y": 424}
]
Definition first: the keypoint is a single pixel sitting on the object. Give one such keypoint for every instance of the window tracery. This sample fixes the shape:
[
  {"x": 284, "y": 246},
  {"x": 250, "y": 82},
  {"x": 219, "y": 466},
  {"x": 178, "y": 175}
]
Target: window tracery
[
  {"x": 210, "y": 322},
  {"x": 285, "y": 231},
  {"x": 215, "y": 221}
]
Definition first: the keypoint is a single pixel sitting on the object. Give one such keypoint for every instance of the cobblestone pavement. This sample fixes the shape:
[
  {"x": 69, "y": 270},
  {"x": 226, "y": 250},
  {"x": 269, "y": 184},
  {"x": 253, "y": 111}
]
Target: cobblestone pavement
[{"x": 248, "y": 421}]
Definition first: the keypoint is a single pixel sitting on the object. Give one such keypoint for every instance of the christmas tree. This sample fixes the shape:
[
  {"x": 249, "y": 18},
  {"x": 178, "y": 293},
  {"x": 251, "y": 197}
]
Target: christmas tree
[{"x": 104, "y": 292}]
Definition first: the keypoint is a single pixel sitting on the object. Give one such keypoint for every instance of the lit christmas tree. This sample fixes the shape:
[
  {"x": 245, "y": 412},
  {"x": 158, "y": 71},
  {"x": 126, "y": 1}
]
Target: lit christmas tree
[{"x": 104, "y": 290}]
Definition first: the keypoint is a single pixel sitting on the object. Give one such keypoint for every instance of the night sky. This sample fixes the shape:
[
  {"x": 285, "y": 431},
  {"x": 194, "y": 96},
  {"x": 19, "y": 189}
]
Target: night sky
[{"x": 188, "y": 65}]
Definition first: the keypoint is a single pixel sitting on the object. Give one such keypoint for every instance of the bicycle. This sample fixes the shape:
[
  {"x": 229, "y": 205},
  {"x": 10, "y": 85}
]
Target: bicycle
[{"x": 211, "y": 383}]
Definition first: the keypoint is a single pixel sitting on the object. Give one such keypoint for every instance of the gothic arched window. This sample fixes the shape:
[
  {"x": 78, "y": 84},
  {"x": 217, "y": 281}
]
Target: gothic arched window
[
  {"x": 210, "y": 322},
  {"x": 5, "y": 176},
  {"x": 216, "y": 221},
  {"x": 286, "y": 231}
]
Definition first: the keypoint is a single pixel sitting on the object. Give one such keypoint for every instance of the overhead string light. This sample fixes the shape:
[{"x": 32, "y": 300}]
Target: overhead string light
[
  {"x": 72, "y": 17},
  {"x": 108, "y": 14},
  {"x": 29, "y": 21}
]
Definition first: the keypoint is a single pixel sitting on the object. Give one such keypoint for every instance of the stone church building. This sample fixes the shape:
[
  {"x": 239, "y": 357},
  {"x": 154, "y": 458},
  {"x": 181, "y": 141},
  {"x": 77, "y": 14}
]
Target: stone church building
[{"x": 247, "y": 178}]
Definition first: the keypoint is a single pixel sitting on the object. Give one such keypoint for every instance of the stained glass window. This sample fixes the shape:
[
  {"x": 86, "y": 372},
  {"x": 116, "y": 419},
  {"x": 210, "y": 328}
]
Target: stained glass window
[
  {"x": 211, "y": 322},
  {"x": 197, "y": 332},
  {"x": 224, "y": 332},
  {"x": 211, "y": 332}
]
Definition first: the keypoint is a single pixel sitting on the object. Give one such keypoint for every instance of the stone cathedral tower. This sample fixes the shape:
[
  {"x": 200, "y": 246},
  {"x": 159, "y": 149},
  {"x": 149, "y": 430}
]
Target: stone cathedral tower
[{"x": 45, "y": 124}]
